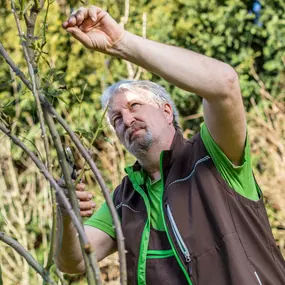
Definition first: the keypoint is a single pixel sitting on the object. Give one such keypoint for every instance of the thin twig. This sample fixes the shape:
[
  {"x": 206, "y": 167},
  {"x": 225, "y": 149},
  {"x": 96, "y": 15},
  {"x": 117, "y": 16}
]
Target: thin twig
[
  {"x": 14, "y": 67},
  {"x": 60, "y": 276},
  {"x": 57, "y": 188},
  {"x": 144, "y": 28},
  {"x": 35, "y": 88},
  {"x": 105, "y": 191},
  {"x": 99, "y": 128},
  {"x": 28, "y": 257},
  {"x": 44, "y": 28},
  {"x": 93, "y": 276},
  {"x": 31, "y": 62},
  {"x": 193, "y": 117}
]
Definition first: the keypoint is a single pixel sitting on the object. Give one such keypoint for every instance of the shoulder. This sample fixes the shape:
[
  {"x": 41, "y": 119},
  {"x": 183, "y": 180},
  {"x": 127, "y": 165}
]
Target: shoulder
[
  {"x": 195, "y": 147},
  {"x": 124, "y": 191}
]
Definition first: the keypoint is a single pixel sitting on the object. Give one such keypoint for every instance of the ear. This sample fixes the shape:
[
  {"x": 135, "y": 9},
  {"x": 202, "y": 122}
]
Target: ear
[{"x": 168, "y": 113}]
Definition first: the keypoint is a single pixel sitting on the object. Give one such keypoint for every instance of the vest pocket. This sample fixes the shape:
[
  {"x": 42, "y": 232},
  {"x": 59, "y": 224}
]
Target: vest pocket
[
  {"x": 164, "y": 270},
  {"x": 224, "y": 264}
]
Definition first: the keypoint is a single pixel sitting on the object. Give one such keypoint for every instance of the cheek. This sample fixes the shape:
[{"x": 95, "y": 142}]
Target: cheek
[
  {"x": 157, "y": 120},
  {"x": 119, "y": 132}
]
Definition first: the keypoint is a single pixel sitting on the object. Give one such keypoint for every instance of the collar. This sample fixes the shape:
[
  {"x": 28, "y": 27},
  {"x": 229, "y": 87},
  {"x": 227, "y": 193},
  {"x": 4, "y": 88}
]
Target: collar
[{"x": 176, "y": 148}]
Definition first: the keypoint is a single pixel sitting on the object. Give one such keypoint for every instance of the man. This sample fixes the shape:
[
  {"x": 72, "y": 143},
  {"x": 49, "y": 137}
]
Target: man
[{"x": 191, "y": 212}]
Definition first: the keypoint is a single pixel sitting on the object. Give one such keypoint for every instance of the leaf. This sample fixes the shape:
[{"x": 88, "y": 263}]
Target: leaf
[
  {"x": 2, "y": 221},
  {"x": 108, "y": 140},
  {"x": 84, "y": 133},
  {"x": 8, "y": 104},
  {"x": 60, "y": 99}
]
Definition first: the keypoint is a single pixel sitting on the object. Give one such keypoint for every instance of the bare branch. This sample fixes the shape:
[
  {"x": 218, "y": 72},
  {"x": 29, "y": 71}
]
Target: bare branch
[
  {"x": 31, "y": 62},
  {"x": 92, "y": 268},
  {"x": 29, "y": 258},
  {"x": 144, "y": 28},
  {"x": 105, "y": 191},
  {"x": 48, "y": 106},
  {"x": 14, "y": 67},
  {"x": 35, "y": 88},
  {"x": 58, "y": 190}
]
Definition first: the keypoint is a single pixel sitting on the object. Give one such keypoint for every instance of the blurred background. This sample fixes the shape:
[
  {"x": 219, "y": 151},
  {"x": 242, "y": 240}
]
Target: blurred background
[{"x": 249, "y": 35}]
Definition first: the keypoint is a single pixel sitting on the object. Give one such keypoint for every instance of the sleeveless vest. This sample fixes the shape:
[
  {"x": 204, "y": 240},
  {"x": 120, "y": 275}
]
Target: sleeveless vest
[{"x": 217, "y": 236}]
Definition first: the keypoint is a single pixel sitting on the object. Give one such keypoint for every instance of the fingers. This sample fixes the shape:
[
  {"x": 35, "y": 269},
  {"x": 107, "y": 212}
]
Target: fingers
[
  {"x": 93, "y": 11},
  {"x": 86, "y": 213},
  {"x": 86, "y": 206},
  {"x": 80, "y": 187},
  {"x": 77, "y": 18},
  {"x": 80, "y": 16},
  {"x": 80, "y": 36},
  {"x": 84, "y": 195}
]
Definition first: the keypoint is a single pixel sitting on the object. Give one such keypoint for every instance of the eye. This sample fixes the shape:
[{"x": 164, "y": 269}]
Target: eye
[
  {"x": 116, "y": 121},
  {"x": 134, "y": 105}
]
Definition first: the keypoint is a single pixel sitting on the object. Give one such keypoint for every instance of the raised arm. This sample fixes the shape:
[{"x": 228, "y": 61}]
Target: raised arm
[{"x": 216, "y": 82}]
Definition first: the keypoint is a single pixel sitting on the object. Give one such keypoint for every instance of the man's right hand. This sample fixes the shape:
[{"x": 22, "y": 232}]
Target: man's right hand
[
  {"x": 94, "y": 28},
  {"x": 86, "y": 204}
]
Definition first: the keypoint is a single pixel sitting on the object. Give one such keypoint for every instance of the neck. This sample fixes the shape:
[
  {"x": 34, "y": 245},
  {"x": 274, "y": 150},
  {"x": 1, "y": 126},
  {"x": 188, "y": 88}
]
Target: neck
[{"x": 150, "y": 160}]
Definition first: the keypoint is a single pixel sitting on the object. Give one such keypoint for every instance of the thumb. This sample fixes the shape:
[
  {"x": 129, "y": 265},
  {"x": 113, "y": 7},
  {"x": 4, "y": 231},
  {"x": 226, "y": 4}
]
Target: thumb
[{"x": 79, "y": 35}]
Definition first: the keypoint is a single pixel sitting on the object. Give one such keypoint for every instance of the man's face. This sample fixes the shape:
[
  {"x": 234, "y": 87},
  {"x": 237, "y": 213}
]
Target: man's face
[{"x": 138, "y": 121}]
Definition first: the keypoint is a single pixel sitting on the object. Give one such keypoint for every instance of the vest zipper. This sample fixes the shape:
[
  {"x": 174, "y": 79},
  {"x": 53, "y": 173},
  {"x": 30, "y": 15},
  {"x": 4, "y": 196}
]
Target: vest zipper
[
  {"x": 257, "y": 277},
  {"x": 179, "y": 239},
  {"x": 178, "y": 258}
]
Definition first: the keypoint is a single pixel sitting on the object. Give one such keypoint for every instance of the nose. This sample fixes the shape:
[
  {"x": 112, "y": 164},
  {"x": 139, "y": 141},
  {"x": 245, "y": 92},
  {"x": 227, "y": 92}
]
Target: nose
[{"x": 128, "y": 118}]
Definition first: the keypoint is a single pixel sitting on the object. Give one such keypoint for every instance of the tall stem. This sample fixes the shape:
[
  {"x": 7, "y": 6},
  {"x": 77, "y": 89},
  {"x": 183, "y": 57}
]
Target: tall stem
[
  {"x": 32, "y": 66},
  {"x": 92, "y": 276},
  {"x": 87, "y": 247},
  {"x": 28, "y": 257},
  {"x": 105, "y": 191}
]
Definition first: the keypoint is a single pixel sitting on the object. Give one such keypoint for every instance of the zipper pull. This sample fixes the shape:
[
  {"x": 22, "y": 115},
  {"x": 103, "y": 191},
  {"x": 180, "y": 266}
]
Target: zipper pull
[
  {"x": 189, "y": 266},
  {"x": 190, "y": 269}
]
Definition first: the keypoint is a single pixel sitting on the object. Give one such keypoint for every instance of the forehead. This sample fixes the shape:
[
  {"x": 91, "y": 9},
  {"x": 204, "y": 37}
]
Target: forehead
[{"x": 122, "y": 98}]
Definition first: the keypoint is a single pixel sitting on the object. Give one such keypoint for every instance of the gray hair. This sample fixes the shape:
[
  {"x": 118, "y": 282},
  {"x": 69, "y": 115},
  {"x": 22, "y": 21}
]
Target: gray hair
[{"x": 156, "y": 92}]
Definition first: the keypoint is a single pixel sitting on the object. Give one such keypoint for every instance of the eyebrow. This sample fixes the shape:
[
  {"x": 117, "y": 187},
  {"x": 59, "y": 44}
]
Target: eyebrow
[
  {"x": 113, "y": 113},
  {"x": 136, "y": 100}
]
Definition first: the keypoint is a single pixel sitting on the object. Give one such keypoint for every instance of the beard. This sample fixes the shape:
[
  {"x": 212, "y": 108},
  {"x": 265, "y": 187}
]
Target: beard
[{"x": 138, "y": 144}]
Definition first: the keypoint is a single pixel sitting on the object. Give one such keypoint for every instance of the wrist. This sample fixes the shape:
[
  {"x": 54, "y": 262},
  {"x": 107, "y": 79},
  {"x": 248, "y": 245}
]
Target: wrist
[{"x": 119, "y": 48}]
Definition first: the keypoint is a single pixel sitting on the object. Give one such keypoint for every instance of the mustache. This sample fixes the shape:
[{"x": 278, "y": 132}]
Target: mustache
[{"x": 133, "y": 128}]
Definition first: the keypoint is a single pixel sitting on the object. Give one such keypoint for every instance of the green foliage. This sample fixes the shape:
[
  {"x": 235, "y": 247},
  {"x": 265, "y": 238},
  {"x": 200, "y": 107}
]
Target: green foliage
[{"x": 226, "y": 30}]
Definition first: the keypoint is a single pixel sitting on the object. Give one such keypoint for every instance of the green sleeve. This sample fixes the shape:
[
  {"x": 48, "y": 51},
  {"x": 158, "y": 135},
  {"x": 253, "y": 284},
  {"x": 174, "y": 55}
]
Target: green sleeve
[
  {"x": 240, "y": 178},
  {"x": 103, "y": 221}
]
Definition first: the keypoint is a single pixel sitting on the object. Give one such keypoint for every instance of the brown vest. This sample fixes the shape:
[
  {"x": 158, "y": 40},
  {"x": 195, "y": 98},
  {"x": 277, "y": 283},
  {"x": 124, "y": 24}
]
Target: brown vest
[{"x": 219, "y": 237}]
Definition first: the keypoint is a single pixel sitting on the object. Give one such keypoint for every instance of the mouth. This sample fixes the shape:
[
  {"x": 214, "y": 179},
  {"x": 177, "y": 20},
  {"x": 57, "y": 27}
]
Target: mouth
[{"x": 134, "y": 134}]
